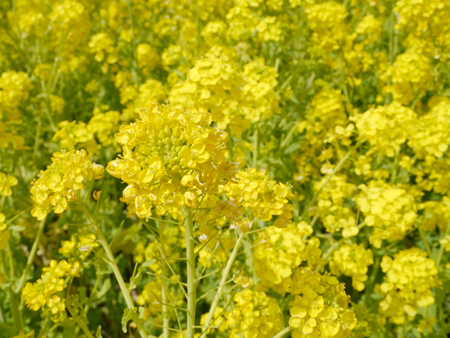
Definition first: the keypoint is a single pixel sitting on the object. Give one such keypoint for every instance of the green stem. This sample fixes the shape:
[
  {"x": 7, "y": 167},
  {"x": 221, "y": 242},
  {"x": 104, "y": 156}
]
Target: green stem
[
  {"x": 372, "y": 278},
  {"x": 222, "y": 283},
  {"x": 6, "y": 327},
  {"x": 31, "y": 256},
  {"x": 336, "y": 169},
  {"x": 115, "y": 268},
  {"x": 15, "y": 310},
  {"x": 441, "y": 250},
  {"x": 44, "y": 327},
  {"x": 395, "y": 168},
  {"x": 163, "y": 281},
  {"x": 283, "y": 332},
  {"x": 191, "y": 287},
  {"x": 11, "y": 261},
  {"x": 255, "y": 148},
  {"x": 430, "y": 254},
  {"x": 80, "y": 322}
]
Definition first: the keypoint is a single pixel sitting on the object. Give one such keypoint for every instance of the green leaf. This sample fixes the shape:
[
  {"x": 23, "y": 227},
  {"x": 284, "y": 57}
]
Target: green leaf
[
  {"x": 98, "y": 333},
  {"x": 127, "y": 316},
  {"x": 105, "y": 287},
  {"x": 17, "y": 228},
  {"x": 131, "y": 315},
  {"x": 138, "y": 276}
]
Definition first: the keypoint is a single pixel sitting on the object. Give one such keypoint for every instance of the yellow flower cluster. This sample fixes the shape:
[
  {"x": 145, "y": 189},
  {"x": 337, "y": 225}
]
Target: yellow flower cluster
[
  {"x": 78, "y": 247},
  {"x": 14, "y": 88},
  {"x": 170, "y": 157},
  {"x": 430, "y": 135},
  {"x": 71, "y": 134},
  {"x": 385, "y": 128},
  {"x": 390, "y": 209},
  {"x": 426, "y": 25},
  {"x": 352, "y": 261},
  {"x": 266, "y": 198},
  {"x": 57, "y": 185},
  {"x": 331, "y": 208},
  {"x": 410, "y": 73},
  {"x": 327, "y": 21},
  {"x": 320, "y": 308},
  {"x": 233, "y": 97},
  {"x": 410, "y": 278},
  {"x": 327, "y": 112},
  {"x": 255, "y": 314},
  {"x": 81, "y": 135},
  {"x": 46, "y": 293},
  {"x": 278, "y": 251},
  {"x": 435, "y": 214}
]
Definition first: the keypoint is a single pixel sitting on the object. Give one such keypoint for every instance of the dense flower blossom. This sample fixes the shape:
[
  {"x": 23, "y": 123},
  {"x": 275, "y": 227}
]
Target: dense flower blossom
[
  {"x": 410, "y": 278},
  {"x": 386, "y": 128},
  {"x": 279, "y": 251},
  {"x": 46, "y": 292},
  {"x": 389, "y": 209},
  {"x": 320, "y": 307},
  {"x": 255, "y": 315},
  {"x": 353, "y": 261},
  {"x": 58, "y": 185},
  {"x": 264, "y": 196},
  {"x": 170, "y": 157}
]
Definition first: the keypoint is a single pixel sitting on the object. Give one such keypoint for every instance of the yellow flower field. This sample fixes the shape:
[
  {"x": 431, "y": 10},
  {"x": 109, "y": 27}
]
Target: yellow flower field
[{"x": 228, "y": 168}]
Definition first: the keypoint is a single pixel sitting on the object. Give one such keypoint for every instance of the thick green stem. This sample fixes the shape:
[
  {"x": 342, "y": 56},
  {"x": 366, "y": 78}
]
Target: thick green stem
[
  {"x": 31, "y": 256},
  {"x": 222, "y": 283},
  {"x": 191, "y": 283},
  {"x": 15, "y": 310},
  {"x": 441, "y": 250},
  {"x": 112, "y": 262},
  {"x": 123, "y": 287},
  {"x": 163, "y": 281},
  {"x": 283, "y": 332}
]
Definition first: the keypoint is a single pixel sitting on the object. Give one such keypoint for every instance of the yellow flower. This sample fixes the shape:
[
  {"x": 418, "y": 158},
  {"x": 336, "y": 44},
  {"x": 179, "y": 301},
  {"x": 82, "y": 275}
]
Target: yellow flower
[
  {"x": 44, "y": 293},
  {"x": 170, "y": 157},
  {"x": 6, "y": 182},
  {"x": 410, "y": 278},
  {"x": 264, "y": 196},
  {"x": 391, "y": 210},
  {"x": 353, "y": 261},
  {"x": 320, "y": 305},
  {"x": 58, "y": 184},
  {"x": 279, "y": 251},
  {"x": 255, "y": 314}
]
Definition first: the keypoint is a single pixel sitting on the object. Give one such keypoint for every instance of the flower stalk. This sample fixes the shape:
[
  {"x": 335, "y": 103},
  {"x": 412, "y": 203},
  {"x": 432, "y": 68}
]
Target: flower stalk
[
  {"x": 222, "y": 283},
  {"x": 112, "y": 262},
  {"x": 191, "y": 283}
]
